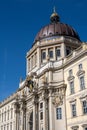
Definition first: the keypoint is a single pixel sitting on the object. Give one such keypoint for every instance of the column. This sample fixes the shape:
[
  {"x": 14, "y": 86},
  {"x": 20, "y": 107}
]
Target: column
[
  {"x": 17, "y": 120},
  {"x": 39, "y": 57},
  {"x": 63, "y": 53},
  {"x": 16, "y": 109},
  {"x": 22, "y": 120}
]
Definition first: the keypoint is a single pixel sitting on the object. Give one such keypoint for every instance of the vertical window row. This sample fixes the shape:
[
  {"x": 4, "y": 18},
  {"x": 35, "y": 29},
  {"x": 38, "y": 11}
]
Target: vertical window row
[
  {"x": 80, "y": 77},
  {"x": 41, "y": 111},
  {"x": 32, "y": 61}
]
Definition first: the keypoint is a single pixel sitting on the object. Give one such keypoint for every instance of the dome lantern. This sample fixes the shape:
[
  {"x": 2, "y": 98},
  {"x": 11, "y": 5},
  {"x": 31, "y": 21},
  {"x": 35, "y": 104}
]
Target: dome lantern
[{"x": 54, "y": 18}]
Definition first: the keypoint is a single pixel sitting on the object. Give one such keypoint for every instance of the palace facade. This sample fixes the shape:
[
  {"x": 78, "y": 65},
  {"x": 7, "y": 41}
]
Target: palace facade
[{"x": 53, "y": 95}]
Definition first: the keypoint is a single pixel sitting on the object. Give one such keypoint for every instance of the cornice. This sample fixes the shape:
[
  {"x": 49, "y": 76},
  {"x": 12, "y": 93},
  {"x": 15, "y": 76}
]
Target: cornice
[
  {"x": 72, "y": 59},
  {"x": 8, "y": 100}
]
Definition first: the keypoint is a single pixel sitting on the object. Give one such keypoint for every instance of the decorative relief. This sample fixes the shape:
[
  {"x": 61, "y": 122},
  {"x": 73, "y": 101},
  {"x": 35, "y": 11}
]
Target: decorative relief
[
  {"x": 70, "y": 78},
  {"x": 80, "y": 72},
  {"x": 75, "y": 127},
  {"x": 58, "y": 97}
]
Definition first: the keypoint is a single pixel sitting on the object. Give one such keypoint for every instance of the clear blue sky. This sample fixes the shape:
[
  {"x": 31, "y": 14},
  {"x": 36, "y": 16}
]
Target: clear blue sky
[{"x": 20, "y": 20}]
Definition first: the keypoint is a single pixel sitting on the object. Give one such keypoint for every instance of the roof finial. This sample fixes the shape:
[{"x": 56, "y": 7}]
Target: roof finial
[{"x": 54, "y": 9}]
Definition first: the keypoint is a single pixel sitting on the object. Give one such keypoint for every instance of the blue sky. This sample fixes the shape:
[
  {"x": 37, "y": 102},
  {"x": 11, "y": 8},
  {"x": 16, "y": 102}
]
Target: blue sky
[{"x": 20, "y": 20}]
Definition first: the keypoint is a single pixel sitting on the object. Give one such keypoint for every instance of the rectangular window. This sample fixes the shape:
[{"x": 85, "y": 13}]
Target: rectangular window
[
  {"x": 73, "y": 110},
  {"x": 2, "y": 117},
  {"x": 72, "y": 87},
  {"x": 80, "y": 66},
  {"x": 41, "y": 105},
  {"x": 84, "y": 103},
  {"x": 41, "y": 116},
  {"x": 8, "y": 114},
  {"x": 5, "y": 115},
  {"x": 58, "y": 52},
  {"x": 82, "y": 83},
  {"x": 68, "y": 50},
  {"x": 58, "y": 113},
  {"x": 43, "y": 55},
  {"x": 50, "y": 53},
  {"x": 70, "y": 72}
]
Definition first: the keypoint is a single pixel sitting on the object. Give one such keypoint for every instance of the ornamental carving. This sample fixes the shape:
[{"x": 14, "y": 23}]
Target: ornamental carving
[
  {"x": 58, "y": 100},
  {"x": 58, "y": 97}
]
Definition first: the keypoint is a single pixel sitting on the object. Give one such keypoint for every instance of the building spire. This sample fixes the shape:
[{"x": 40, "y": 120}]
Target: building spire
[{"x": 54, "y": 9}]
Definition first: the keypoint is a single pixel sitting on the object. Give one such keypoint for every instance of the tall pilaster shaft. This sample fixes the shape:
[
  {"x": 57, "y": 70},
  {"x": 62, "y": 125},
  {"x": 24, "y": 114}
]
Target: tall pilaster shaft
[{"x": 34, "y": 117}]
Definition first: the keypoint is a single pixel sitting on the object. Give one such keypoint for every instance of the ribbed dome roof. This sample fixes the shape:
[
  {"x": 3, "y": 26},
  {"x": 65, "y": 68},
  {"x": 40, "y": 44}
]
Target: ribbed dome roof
[{"x": 56, "y": 28}]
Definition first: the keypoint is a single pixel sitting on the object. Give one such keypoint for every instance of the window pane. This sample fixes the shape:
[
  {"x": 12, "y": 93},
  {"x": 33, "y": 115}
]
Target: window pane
[
  {"x": 43, "y": 55},
  {"x": 58, "y": 52},
  {"x": 82, "y": 84},
  {"x": 41, "y": 105},
  {"x": 41, "y": 116},
  {"x": 80, "y": 66},
  {"x": 72, "y": 87},
  {"x": 70, "y": 72},
  {"x": 73, "y": 110},
  {"x": 85, "y": 107},
  {"x": 58, "y": 113},
  {"x": 51, "y": 53}
]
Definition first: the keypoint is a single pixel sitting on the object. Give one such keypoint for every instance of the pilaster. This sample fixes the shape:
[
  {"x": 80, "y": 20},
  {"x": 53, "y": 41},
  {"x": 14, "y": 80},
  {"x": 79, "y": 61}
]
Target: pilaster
[{"x": 51, "y": 125}]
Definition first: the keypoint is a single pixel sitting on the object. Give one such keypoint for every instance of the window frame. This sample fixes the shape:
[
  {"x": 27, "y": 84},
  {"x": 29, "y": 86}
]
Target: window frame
[
  {"x": 51, "y": 54},
  {"x": 72, "y": 89},
  {"x": 82, "y": 82},
  {"x": 58, "y": 113},
  {"x": 58, "y": 54},
  {"x": 43, "y": 55},
  {"x": 84, "y": 108},
  {"x": 70, "y": 73},
  {"x": 73, "y": 111},
  {"x": 41, "y": 115},
  {"x": 80, "y": 66}
]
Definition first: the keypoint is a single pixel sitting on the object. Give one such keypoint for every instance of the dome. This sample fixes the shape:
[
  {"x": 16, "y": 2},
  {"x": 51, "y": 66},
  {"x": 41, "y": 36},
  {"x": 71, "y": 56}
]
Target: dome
[{"x": 56, "y": 28}]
